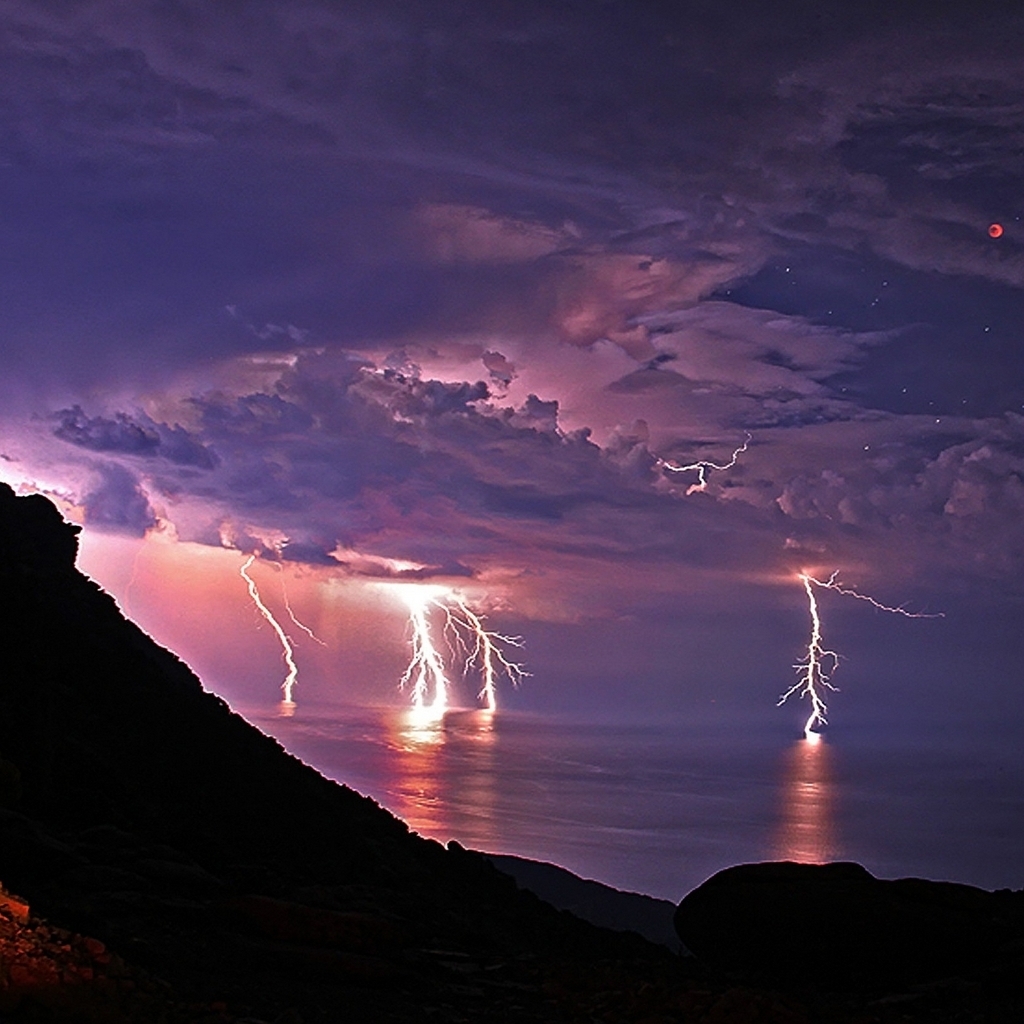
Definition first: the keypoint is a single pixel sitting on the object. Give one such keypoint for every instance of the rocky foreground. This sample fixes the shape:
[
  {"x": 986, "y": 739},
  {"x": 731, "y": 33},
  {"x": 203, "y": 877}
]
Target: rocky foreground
[{"x": 175, "y": 864}]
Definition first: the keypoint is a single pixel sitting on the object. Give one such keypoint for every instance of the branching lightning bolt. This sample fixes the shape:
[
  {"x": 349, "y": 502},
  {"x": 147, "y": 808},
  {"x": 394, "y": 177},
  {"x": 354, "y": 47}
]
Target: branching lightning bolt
[
  {"x": 487, "y": 654},
  {"x": 815, "y": 669},
  {"x": 426, "y": 667},
  {"x": 291, "y": 615},
  {"x": 467, "y": 638},
  {"x": 702, "y": 466},
  {"x": 288, "y": 650},
  {"x": 812, "y": 678}
]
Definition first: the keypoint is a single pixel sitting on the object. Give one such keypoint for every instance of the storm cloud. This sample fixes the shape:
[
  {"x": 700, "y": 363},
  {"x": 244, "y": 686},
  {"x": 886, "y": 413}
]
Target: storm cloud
[{"x": 449, "y": 286}]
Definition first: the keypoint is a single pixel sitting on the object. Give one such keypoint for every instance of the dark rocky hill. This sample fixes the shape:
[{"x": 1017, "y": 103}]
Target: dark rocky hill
[
  {"x": 845, "y": 929},
  {"x": 593, "y": 901},
  {"x": 139, "y": 809}
]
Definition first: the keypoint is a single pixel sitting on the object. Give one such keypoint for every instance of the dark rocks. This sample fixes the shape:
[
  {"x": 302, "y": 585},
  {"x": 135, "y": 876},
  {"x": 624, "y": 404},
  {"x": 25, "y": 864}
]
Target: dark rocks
[
  {"x": 50, "y": 974},
  {"x": 838, "y": 925},
  {"x": 593, "y": 901},
  {"x": 34, "y": 538},
  {"x": 313, "y": 926}
]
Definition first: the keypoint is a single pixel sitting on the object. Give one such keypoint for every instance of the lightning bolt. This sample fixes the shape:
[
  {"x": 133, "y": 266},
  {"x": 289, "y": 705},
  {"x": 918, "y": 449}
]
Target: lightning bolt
[
  {"x": 126, "y": 601},
  {"x": 288, "y": 651},
  {"x": 291, "y": 615},
  {"x": 468, "y": 639},
  {"x": 702, "y": 466},
  {"x": 426, "y": 668},
  {"x": 487, "y": 655},
  {"x": 815, "y": 669}
]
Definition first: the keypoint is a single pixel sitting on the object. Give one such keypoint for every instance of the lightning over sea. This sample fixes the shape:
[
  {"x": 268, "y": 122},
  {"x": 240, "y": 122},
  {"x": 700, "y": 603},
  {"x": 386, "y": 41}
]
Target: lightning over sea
[
  {"x": 572, "y": 768},
  {"x": 467, "y": 640},
  {"x": 287, "y": 705},
  {"x": 658, "y": 807},
  {"x": 815, "y": 669}
]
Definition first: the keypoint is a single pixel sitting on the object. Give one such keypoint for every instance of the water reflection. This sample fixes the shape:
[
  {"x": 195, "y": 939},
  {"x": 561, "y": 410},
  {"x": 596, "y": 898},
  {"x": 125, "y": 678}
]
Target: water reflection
[
  {"x": 442, "y": 774},
  {"x": 806, "y": 833}
]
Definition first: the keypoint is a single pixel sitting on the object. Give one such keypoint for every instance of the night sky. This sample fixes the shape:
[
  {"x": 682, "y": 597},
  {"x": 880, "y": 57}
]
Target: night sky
[{"x": 439, "y": 292}]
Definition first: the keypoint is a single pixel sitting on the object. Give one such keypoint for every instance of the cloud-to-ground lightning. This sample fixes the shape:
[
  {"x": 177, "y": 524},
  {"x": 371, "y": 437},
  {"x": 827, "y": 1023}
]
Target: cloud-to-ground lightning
[
  {"x": 486, "y": 654},
  {"x": 702, "y": 466},
  {"x": 815, "y": 669},
  {"x": 126, "y": 600},
  {"x": 466, "y": 636},
  {"x": 291, "y": 615},
  {"x": 288, "y": 651},
  {"x": 812, "y": 678},
  {"x": 426, "y": 669}
]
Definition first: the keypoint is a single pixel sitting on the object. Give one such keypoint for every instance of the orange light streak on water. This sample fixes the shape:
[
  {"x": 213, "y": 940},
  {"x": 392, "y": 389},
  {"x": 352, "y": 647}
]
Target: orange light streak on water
[
  {"x": 806, "y": 831},
  {"x": 442, "y": 775}
]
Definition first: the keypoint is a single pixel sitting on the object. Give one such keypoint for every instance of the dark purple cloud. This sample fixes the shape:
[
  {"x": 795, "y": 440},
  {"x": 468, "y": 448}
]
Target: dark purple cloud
[
  {"x": 451, "y": 284},
  {"x": 132, "y": 436},
  {"x": 117, "y": 502}
]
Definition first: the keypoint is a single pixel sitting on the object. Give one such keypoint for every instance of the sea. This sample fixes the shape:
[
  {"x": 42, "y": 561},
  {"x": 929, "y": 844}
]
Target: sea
[{"x": 658, "y": 807}]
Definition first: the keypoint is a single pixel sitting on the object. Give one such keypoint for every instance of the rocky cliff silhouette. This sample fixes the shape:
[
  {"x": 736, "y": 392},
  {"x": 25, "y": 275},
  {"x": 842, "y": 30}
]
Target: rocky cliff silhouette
[{"x": 137, "y": 807}]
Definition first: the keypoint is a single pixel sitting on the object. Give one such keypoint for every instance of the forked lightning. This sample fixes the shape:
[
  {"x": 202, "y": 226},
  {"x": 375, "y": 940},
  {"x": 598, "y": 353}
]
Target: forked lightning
[
  {"x": 467, "y": 639},
  {"x": 815, "y": 669}
]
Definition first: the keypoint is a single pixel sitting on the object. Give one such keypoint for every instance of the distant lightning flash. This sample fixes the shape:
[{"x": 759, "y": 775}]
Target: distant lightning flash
[
  {"x": 291, "y": 615},
  {"x": 702, "y": 466},
  {"x": 467, "y": 637},
  {"x": 126, "y": 600},
  {"x": 287, "y": 705},
  {"x": 815, "y": 669}
]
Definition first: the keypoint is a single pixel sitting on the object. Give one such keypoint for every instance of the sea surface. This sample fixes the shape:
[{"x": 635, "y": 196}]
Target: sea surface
[{"x": 658, "y": 808}]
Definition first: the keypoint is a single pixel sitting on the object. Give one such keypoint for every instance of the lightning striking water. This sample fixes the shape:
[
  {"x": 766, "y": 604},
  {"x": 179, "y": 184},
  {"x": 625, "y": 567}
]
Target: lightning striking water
[
  {"x": 812, "y": 678},
  {"x": 426, "y": 669},
  {"x": 467, "y": 638},
  {"x": 702, "y": 466},
  {"x": 815, "y": 669},
  {"x": 287, "y": 705},
  {"x": 486, "y": 654}
]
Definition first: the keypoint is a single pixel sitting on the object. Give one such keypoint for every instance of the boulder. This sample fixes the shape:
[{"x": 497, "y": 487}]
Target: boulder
[{"x": 836, "y": 924}]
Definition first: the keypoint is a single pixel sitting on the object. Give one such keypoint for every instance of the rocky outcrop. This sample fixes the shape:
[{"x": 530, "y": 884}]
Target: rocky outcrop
[
  {"x": 837, "y": 925},
  {"x": 49, "y": 973},
  {"x": 593, "y": 901}
]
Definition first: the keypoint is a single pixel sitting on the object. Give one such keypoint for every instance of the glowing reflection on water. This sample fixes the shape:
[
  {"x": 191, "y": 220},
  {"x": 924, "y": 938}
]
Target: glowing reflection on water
[
  {"x": 660, "y": 809},
  {"x": 442, "y": 774},
  {"x": 806, "y": 833}
]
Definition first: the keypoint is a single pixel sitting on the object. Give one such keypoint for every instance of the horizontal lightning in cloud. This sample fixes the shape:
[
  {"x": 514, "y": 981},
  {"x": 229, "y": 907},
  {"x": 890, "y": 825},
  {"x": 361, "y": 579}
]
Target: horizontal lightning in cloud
[
  {"x": 832, "y": 583},
  {"x": 702, "y": 467}
]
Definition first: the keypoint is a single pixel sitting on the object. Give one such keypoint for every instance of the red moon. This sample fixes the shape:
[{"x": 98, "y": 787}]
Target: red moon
[{"x": 995, "y": 230}]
